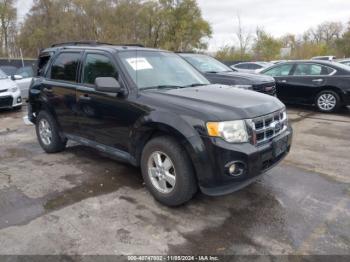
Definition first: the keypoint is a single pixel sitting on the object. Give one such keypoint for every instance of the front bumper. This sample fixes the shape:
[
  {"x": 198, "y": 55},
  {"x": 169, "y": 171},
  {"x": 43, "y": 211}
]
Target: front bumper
[
  {"x": 257, "y": 160},
  {"x": 10, "y": 99}
]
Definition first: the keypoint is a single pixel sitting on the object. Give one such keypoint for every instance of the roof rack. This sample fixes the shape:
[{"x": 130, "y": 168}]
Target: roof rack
[{"x": 92, "y": 43}]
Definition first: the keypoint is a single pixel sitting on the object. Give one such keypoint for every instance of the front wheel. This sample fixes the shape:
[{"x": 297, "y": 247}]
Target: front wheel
[
  {"x": 48, "y": 135},
  {"x": 328, "y": 101},
  {"x": 168, "y": 172}
]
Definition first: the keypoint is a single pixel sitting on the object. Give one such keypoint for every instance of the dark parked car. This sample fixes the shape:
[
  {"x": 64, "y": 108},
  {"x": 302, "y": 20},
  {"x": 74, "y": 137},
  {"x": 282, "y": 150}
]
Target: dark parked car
[
  {"x": 321, "y": 83},
  {"x": 218, "y": 73},
  {"x": 150, "y": 108}
]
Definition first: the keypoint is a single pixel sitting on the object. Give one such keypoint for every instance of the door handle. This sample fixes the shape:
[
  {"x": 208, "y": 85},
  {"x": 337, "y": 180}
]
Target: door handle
[
  {"x": 85, "y": 97},
  {"x": 317, "y": 80},
  {"x": 283, "y": 81}
]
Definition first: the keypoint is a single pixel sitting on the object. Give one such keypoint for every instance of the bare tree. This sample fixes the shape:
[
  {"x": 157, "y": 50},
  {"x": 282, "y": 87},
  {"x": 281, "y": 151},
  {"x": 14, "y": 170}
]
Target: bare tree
[
  {"x": 243, "y": 36},
  {"x": 8, "y": 16}
]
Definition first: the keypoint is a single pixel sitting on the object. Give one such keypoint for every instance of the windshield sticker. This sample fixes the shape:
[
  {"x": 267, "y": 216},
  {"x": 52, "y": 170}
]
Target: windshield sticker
[{"x": 139, "y": 63}]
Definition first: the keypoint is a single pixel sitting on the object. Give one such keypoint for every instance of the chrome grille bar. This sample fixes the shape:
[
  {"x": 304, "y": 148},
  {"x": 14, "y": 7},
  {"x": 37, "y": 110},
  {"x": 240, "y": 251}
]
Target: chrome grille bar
[{"x": 267, "y": 127}]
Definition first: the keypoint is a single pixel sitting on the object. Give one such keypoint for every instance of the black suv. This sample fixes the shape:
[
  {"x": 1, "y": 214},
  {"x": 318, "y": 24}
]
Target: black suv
[{"x": 152, "y": 109}]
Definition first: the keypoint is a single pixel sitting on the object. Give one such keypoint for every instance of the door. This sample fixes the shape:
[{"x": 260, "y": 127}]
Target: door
[
  {"x": 103, "y": 118},
  {"x": 282, "y": 75},
  {"x": 306, "y": 81},
  {"x": 59, "y": 89}
]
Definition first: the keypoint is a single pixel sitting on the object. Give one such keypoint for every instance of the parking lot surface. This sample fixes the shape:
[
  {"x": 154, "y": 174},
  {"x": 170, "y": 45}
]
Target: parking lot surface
[{"x": 81, "y": 202}]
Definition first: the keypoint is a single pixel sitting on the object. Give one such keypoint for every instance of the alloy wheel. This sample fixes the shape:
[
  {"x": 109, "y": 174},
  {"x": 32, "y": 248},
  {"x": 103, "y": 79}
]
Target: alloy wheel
[
  {"x": 45, "y": 132},
  {"x": 327, "y": 102},
  {"x": 161, "y": 172}
]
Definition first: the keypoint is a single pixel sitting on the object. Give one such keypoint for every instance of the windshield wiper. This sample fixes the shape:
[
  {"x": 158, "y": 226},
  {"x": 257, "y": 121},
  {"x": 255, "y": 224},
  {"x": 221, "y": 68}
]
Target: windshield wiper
[
  {"x": 162, "y": 87},
  {"x": 195, "y": 85}
]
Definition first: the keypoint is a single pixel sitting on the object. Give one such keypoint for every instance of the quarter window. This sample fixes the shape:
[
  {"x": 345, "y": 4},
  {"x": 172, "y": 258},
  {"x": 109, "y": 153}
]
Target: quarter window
[
  {"x": 312, "y": 70},
  {"x": 97, "y": 65},
  {"x": 65, "y": 67}
]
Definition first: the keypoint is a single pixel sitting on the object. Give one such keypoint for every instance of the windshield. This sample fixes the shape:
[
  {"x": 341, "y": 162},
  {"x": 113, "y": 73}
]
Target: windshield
[
  {"x": 206, "y": 64},
  {"x": 152, "y": 69},
  {"x": 2, "y": 75}
]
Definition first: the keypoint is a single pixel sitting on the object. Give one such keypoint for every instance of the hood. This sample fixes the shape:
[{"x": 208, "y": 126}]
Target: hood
[
  {"x": 6, "y": 84},
  {"x": 253, "y": 78},
  {"x": 222, "y": 103}
]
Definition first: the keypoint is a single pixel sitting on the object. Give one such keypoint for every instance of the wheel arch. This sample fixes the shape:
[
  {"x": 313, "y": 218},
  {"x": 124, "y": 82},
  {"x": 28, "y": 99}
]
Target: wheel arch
[
  {"x": 186, "y": 135},
  {"x": 335, "y": 89}
]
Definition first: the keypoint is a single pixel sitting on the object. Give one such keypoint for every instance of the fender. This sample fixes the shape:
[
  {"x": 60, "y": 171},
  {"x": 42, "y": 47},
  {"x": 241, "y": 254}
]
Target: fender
[{"x": 168, "y": 122}]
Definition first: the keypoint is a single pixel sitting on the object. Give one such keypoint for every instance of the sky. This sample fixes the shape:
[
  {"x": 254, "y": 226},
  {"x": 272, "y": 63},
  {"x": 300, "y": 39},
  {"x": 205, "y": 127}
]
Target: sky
[{"x": 277, "y": 17}]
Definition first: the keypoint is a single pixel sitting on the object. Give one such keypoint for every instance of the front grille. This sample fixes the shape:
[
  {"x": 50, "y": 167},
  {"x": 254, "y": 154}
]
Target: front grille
[
  {"x": 267, "y": 127},
  {"x": 6, "y": 101},
  {"x": 3, "y": 91}
]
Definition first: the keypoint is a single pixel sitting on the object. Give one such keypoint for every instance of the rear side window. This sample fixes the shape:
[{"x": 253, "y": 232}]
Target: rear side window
[
  {"x": 97, "y": 65},
  {"x": 282, "y": 70},
  {"x": 65, "y": 67},
  {"x": 243, "y": 66},
  {"x": 255, "y": 66},
  {"x": 312, "y": 70}
]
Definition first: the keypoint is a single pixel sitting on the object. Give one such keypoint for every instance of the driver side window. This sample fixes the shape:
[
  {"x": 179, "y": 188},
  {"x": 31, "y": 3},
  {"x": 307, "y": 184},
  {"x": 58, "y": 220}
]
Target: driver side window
[{"x": 98, "y": 65}]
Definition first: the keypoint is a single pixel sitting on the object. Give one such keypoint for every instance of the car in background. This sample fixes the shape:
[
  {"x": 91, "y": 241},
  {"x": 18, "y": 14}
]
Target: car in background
[
  {"x": 218, "y": 73},
  {"x": 10, "y": 95},
  {"x": 251, "y": 67},
  {"x": 321, "y": 83},
  {"x": 324, "y": 58},
  {"x": 344, "y": 61},
  {"x": 275, "y": 62},
  {"x": 22, "y": 76}
]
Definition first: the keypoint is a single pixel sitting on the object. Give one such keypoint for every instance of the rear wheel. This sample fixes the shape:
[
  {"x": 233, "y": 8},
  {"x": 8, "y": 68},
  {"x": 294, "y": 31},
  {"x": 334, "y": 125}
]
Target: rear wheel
[
  {"x": 168, "y": 172},
  {"x": 48, "y": 133},
  {"x": 328, "y": 101}
]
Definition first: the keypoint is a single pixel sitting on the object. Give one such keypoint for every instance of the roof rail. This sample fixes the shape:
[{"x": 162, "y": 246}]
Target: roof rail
[{"x": 92, "y": 43}]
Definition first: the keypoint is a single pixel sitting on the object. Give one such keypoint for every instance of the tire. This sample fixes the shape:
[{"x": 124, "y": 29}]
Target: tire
[
  {"x": 328, "y": 101},
  {"x": 56, "y": 143},
  {"x": 182, "y": 186}
]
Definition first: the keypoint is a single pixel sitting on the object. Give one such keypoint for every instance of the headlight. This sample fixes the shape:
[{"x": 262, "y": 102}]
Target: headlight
[
  {"x": 232, "y": 131},
  {"x": 243, "y": 86},
  {"x": 14, "y": 89}
]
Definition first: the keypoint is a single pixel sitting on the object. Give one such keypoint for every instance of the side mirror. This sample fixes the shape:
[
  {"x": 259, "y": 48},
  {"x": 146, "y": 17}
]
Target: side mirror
[
  {"x": 107, "y": 85},
  {"x": 16, "y": 77}
]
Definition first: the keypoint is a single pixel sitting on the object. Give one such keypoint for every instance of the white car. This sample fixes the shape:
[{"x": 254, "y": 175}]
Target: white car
[
  {"x": 22, "y": 76},
  {"x": 251, "y": 67},
  {"x": 324, "y": 58},
  {"x": 10, "y": 94}
]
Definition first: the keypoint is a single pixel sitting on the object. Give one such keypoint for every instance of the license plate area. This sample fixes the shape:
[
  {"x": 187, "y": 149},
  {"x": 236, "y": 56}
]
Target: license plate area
[{"x": 280, "y": 146}]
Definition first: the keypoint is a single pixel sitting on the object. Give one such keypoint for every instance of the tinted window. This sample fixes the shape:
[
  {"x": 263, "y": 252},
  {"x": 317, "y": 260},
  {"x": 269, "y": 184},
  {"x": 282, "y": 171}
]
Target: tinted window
[
  {"x": 282, "y": 70},
  {"x": 243, "y": 66},
  {"x": 65, "y": 67},
  {"x": 97, "y": 65},
  {"x": 312, "y": 70},
  {"x": 254, "y": 66}
]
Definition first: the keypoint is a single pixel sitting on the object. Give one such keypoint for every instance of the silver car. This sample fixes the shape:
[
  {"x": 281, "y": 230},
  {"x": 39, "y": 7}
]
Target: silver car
[{"x": 251, "y": 67}]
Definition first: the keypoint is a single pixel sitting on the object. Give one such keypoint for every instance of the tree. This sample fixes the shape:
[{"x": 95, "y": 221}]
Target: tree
[
  {"x": 266, "y": 47},
  {"x": 343, "y": 43},
  {"x": 169, "y": 24},
  {"x": 243, "y": 38},
  {"x": 8, "y": 16}
]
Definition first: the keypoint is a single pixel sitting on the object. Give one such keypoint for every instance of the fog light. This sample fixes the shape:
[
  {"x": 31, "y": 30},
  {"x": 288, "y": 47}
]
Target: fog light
[
  {"x": 19, "y": 99},
  {"x": 232, "y": 169},
  {"x": 236, "y": 168}
]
